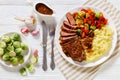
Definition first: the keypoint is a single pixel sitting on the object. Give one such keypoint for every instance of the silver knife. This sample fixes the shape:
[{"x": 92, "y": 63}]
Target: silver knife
[{"x": 44, "y": 38}]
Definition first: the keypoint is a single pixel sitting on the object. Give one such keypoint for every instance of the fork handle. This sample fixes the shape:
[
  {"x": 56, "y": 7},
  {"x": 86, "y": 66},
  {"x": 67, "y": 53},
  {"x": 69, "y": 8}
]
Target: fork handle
[{"x": 52, "y": 64}]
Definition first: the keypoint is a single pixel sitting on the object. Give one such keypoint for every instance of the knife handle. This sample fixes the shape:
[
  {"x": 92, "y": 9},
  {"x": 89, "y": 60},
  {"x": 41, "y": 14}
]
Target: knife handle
[{"x": 44, "y": 66}]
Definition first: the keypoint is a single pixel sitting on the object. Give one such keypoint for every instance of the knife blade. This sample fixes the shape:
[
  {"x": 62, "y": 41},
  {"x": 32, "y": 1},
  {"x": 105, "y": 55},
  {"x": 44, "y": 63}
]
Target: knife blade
[{"x": 44, "y": 38}]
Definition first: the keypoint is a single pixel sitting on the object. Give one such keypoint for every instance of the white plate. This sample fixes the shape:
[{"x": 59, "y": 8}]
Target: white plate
[
  {"x": 26, "y": 57},
  {"x": 84, "y": 64}
]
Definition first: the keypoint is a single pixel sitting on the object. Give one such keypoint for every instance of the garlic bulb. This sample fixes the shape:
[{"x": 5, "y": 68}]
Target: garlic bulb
[{"x": 30, "y": 23}]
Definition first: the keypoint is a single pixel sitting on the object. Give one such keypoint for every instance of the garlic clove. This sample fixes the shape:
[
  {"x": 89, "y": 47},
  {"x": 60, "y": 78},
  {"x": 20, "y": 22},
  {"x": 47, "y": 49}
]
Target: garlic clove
[
  {"x": 24, "y": 30},
  {"x": 35, "y": 32}
]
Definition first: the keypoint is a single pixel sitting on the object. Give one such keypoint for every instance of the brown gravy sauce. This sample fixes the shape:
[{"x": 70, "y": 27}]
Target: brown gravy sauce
[{"x": 42, "y": 8}]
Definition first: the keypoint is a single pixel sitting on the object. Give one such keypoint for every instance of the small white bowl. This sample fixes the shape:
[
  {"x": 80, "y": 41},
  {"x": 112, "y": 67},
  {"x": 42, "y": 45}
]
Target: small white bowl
[
  {"x": 84, "y": 64},
  {"x": 26, "y": 57}
]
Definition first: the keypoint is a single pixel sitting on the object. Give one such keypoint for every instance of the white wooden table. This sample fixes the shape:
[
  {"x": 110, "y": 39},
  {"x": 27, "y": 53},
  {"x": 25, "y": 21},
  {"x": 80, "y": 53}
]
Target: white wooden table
[{"x": 11, "y": 8}]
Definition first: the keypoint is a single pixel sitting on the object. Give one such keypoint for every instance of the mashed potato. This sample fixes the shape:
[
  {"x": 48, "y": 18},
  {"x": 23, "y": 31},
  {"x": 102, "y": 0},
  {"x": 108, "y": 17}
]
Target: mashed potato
[{"x": 101, "y": 44}]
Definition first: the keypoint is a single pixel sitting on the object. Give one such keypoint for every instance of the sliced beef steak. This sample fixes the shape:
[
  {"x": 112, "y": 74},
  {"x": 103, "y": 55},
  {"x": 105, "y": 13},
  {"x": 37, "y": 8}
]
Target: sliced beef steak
[
  {"x": 87, "y": 43},
  {"x": 70, "y": 18},
  {"x": 91, "y": 34},
  {"x": 66, "y": 29},
  {"x": 74, "y": 49},
  {"x": 66, "y": 39},
  {"x": 67, "y": 24},
  {"x": 65, "y": 34}
]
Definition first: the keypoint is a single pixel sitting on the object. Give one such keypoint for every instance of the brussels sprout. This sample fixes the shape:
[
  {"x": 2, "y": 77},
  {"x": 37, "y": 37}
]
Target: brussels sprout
[
  {"x": 10, "y": 48},
  {"x": 18, "y": 51},
  {"x": 20, "y": 56},
  {"x": 16, "y": 37},
  {"x": 24, "y": 46},
  {"x": 6, "y": 57},
  {"x": 14, "y": 61},
  {"x": 16, "y": 44},
  {"x": 6, "y": 38},
  {"x": 10, "y": 44},
  {"x": 12, "y": 54},
  {"x": 1, "y": 51},
  {"x": 20, "y": 59},
  {"x": 34, "y": 60},
  {"x": 30, "y": 67},
  {"x": 23, "y": 71},
  {"x": 2, "y": 44}
]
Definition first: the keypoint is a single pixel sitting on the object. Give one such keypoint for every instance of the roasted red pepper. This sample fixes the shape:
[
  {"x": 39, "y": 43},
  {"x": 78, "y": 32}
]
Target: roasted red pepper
[
  {"x": 83, "y": 35},
  {"x": 86, "y": 31}
]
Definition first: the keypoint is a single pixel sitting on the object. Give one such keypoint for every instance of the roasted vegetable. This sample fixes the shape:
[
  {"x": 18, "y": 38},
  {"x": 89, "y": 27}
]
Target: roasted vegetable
[
  {"x": 87, "y": 15},
  {"x": 93, "y": 27},
  {"x": 86, "y": 26},
  {"x": 81, "y": 13},
  {"x": 79, "y": 21},
  {"x": 97, "y": 15},
  {"x": 79, "y": 32}
]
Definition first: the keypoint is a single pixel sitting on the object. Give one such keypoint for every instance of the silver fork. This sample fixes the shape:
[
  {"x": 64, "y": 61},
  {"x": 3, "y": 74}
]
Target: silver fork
[{"x": 52, "y": 35}]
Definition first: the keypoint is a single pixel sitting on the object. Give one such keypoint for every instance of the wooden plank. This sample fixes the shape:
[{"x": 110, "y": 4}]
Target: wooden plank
[
  {"x": 53, "y": 2},
  {"x": 8, "y": 13},
  {"x": 13, "y": 2}
]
